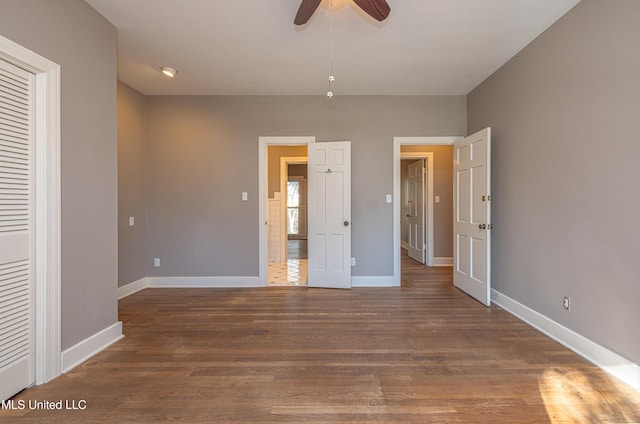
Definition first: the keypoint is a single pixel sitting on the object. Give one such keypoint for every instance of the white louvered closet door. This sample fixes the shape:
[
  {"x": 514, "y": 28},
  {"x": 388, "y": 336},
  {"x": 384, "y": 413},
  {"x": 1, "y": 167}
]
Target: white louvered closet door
[{"x": 17, "y": 361}]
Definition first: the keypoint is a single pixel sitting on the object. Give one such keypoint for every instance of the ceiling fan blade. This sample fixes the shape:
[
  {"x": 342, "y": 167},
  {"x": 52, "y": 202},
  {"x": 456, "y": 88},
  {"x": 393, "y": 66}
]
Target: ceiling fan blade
[
  {"x": 377, "y": 9},
  {"x": 305, "y": 11}
]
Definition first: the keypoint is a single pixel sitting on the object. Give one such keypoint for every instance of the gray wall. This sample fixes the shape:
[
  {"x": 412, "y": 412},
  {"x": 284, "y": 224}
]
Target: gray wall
[
  {"x": 202, "y": 152},
  {"x": 72, "y": 34},
  {"x": 132, "y": 135},
  {"x": 566, "y": 190},
  {"x": 443, "y": 187}
]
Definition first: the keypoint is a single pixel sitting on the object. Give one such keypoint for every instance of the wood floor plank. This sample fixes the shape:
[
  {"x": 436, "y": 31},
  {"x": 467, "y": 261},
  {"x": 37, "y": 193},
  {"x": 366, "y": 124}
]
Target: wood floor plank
[{"x": 423, "y": 352}]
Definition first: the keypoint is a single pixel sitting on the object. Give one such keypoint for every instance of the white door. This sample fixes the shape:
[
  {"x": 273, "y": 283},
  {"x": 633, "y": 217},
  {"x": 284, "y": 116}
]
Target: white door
[
  {"x": 472, "y": 215},
  {"x": 329, "y": 226},
  {"x": 17, "y": 360},
  {"x": 416, "y": 211}
]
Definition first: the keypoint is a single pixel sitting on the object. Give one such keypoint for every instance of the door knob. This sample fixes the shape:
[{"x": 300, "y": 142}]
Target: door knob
[
  {"x": 482, "y": 226},
  {"x": 346, "y": 223}
]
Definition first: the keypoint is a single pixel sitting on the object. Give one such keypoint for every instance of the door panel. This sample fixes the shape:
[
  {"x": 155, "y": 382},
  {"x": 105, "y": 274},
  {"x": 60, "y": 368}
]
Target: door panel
[
  {"x": 416, "y": 211},
  {"x": 472, "y": 215},
  {"x": 17, "y": 365},
  {"x": 329, "y": 225}
]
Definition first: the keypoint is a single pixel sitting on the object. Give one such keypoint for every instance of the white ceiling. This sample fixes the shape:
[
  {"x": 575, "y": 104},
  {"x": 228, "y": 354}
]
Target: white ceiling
[{"x": 246, "y": 47}]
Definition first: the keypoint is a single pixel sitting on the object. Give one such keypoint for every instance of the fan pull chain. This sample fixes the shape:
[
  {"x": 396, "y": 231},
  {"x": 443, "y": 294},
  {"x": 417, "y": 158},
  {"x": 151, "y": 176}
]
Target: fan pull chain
[{"x": 332, "y": 78}]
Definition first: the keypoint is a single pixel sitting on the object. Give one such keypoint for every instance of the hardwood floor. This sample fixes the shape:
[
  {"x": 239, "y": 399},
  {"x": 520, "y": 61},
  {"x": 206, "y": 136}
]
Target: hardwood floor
[
  {"x": 423, "y": 352},
  {"x": 297, "y": 249}
]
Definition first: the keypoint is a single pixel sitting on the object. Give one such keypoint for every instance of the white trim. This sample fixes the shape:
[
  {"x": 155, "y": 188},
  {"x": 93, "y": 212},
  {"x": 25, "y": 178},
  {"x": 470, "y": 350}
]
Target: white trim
[
  {"x": 203, "y": 282},
  {"x": 609, "y": 361},
  {"x": 284, "y": 178},
  {"x": 442, "y": 261},
  {"x": 47, "y": 202},
  {"x": 84, "y": 350},
  {"x": 187, "y": 282},
  {"x": 397, "y": 142},
  {"x": 131, "y": 288},
  {"x": 263, "y": 179},
  {"x": 428, "y": 219},
  {"x": 404, "y": 245},
  {"x": 372, "y": 281}
]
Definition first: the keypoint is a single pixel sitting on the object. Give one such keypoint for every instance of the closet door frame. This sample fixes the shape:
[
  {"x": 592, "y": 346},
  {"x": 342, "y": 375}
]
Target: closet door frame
[{"x": 47, "y": 206}]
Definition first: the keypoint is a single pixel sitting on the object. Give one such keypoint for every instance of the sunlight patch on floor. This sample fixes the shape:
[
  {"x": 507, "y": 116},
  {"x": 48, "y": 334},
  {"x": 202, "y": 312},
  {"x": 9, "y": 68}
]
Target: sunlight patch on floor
[{"x": 569, "y": 396}]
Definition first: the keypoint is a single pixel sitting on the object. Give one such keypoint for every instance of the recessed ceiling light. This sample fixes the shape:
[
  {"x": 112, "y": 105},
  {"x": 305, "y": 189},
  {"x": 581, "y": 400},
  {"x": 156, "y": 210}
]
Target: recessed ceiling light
[{"x": 168, "y": 71}]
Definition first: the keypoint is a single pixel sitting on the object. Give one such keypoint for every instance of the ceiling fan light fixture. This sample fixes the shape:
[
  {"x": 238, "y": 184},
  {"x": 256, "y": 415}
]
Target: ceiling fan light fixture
[{"x": 169, "y": 71}]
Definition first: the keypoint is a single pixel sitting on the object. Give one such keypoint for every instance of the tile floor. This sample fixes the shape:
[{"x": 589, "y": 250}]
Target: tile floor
[
  {"x": 293, "y": 272},
  {"x": 290, "y": 273}
]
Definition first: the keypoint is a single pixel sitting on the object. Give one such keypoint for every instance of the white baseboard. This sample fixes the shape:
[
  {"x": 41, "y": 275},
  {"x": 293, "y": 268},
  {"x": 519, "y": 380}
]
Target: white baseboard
[
  {"x": 131, "y": 288},
  {"x": 212, "y": 282},
  {"x": 614, "y": 364},
  {"x": 404, "y": 245},
  {"x": 442, "y": 261},
  {"x": 84, "y": 350},
  {"x": 229, "y": 282},
  {"x": 372, "y": 281}
]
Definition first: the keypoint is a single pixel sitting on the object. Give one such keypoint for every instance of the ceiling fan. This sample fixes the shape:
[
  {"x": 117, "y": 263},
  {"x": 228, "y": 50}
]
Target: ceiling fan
[{"x": 377, "y": 9}]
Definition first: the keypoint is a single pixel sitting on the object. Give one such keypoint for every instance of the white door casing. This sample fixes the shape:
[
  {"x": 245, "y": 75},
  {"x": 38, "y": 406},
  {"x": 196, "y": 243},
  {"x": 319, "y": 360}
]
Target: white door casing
[
  {"x": 46, "y": 205},
  {"x": 415, "y": 211},
  {"x": 17, "y": 288},
  {"x": 472, "y": 215},
  {"x": 329, "y": 209},
  {"x": 398, "y": 142}
]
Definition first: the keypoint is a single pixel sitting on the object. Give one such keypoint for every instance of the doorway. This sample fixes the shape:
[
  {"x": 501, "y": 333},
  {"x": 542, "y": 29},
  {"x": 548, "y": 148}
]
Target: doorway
[
  {"x": 437, "y": 199},
  {"x": 274, "y": 252},
  {"x": 329, "y": 210}
]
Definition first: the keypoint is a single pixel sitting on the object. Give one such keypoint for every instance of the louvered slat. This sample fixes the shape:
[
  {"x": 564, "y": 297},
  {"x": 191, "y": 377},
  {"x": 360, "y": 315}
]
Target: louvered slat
[
  {"x": 13, "y": 96},
  {"x": 15, "y": 122},
  {"x": 14, "y": 116},
  {"x": 14, "y": 311},
  {"x": 14, "y": 317},
  {"x": 19, "y": 149},
  {"x": 10, "y": 129},
  {"x": 6, "y": 80},
  {"x": 11, "y": 108}
]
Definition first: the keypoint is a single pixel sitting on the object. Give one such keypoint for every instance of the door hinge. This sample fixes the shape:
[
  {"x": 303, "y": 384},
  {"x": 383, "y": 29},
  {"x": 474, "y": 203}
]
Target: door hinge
[
  {"x": 486, "y": 198},
  {"x": 489, "y": 226}
]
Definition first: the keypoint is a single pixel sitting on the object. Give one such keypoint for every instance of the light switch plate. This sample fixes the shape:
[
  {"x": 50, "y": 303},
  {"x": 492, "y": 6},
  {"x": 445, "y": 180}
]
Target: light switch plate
[
  {"x": 131, "y": 221},
  {"x": 156, "y": 262},
  {"x": 388, "y": 198},
  {"x": 437, "y": 199},
  {"x": 244, "y": 196}
]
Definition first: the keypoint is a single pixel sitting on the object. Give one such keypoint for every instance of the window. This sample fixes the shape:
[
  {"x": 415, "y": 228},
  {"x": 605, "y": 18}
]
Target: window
[{"x": 293, "y": 207}]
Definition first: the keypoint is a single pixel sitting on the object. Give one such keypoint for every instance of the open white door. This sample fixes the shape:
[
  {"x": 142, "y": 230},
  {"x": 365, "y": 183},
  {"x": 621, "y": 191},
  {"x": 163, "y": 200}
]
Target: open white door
[
  {"x": 416, "y": 211},
  {"x": 329, "y": 203},
  {"x": 17, "y": 291},
  {"x": 472, "y": 215}
]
